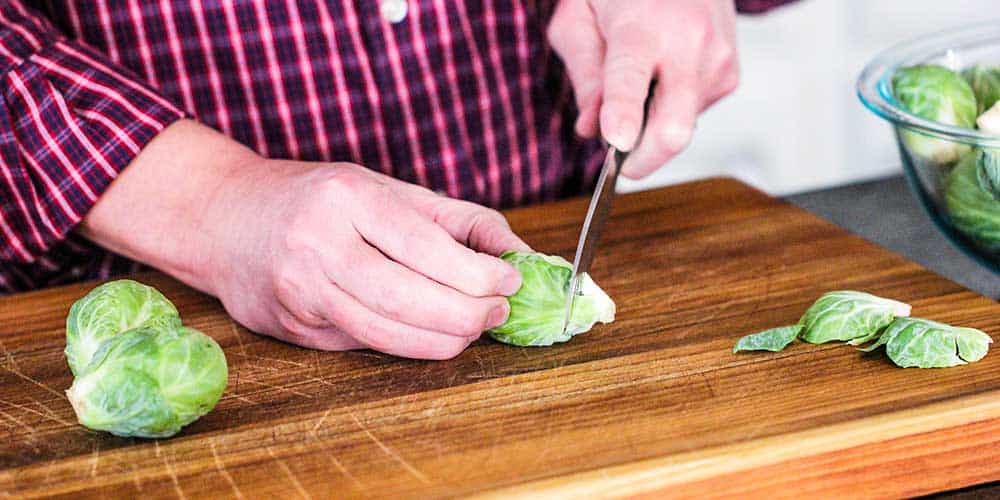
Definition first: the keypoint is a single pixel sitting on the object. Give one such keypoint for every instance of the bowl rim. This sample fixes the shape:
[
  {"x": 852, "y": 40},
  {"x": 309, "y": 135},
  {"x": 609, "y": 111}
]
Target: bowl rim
[{"x": 874, "y": 84}]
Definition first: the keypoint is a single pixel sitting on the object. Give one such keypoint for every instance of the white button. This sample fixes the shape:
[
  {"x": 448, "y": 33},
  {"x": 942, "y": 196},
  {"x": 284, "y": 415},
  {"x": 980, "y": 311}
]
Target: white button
[{"x": 393, "y": 11}]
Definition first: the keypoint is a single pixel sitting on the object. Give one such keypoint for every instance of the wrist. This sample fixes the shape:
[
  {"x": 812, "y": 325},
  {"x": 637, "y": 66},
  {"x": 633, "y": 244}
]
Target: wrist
[{"x": 159, "y": 208}]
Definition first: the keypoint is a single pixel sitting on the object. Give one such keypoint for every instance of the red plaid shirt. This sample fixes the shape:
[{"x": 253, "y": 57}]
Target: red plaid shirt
[{"x": 464, "y": 97}]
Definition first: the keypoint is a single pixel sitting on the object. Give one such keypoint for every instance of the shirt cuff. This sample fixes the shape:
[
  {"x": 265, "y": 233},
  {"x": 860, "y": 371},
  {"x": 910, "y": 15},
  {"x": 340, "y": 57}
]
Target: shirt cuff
[{"x": 70, "y": 121}]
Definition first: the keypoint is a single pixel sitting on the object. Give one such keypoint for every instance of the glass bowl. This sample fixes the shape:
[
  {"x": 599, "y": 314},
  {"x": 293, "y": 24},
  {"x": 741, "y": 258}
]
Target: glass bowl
[{"x": 947, "y": 186}]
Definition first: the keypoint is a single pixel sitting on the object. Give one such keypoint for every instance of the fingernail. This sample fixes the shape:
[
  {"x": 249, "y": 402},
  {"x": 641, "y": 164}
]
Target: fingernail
[
  {"x": 623, "y": 137},
  {"x": 498, "y": 315},
  {"x": 510, "y": 284}
]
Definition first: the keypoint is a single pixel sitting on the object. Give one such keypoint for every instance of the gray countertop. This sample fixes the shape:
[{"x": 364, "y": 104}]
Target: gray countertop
[{"x": 886, "y": 212}]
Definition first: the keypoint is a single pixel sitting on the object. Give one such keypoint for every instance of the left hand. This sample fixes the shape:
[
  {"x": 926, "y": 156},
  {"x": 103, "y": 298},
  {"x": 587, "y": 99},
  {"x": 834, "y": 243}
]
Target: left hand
[{"x": 613, "y": 49}]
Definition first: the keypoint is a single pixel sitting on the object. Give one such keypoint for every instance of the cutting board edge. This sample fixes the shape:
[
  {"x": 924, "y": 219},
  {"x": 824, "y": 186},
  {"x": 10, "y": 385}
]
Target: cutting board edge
[{"x": 656, "y": 474}]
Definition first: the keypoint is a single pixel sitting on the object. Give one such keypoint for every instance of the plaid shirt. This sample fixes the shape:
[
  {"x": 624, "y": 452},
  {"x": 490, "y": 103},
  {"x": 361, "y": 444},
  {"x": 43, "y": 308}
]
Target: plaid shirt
[{"x": 464, "y": 97}]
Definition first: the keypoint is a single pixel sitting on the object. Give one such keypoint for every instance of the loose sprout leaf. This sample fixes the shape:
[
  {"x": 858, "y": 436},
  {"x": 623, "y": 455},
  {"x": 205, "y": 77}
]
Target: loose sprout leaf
[
  {"x": 772, "y": 340},
  {"x": 149, "y": 382},
  {"x": 922, "y": 343},
  {"x": 972, "y": 210},
  {"x": 110, "y": 309},
  {"x": 939, "y": 94},
  {"x": 538, "y": 308},
  {"x": 848, "y": 315},
  {"x": 985, "y": 83}
]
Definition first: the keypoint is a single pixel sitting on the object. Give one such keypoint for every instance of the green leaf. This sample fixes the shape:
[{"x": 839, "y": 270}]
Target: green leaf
[
  {"x": 110, "y": 309},
  {"x": 971, "y": 209},
  {"x": 149, "y": 382},
  {"x": 922, "y": 343},
  {"x": 848, "y": 315},
  {"x": 538, "y": 308},
  {"x": 985, "y": 83},
  {"x": 772, "y": 340},
  {"x": 941, "y": 95},
  {"x": 988, "y": 171}
]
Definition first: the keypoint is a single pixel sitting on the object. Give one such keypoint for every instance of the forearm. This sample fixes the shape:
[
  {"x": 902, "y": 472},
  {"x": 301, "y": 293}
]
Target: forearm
[{"x": 155, "y": 211}]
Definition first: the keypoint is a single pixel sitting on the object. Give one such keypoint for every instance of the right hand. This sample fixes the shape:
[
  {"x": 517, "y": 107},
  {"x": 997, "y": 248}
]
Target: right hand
[
  {"x": 336, "y": 256},
  {"x": 331, "y": 256}
]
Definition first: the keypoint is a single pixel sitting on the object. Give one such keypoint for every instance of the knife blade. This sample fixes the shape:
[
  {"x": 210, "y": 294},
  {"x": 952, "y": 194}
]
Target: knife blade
[{"x": 597, "y": 215}]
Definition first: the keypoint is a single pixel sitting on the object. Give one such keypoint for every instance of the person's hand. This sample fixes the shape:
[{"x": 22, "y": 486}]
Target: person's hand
[
  {"x": 614, "y": 49},
  {"x": 340, "y": 257},
  {"x": 328, "y": 256}
]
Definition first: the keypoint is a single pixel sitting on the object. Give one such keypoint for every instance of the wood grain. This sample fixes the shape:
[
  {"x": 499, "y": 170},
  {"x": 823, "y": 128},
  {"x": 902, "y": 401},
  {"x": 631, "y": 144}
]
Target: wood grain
[{"x": 654, "y": 403}]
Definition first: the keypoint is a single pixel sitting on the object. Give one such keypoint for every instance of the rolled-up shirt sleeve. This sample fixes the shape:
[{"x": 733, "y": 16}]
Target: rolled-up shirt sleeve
[
  {"x": 70, "y": 121},
  {"x": 759, "y": 6}
]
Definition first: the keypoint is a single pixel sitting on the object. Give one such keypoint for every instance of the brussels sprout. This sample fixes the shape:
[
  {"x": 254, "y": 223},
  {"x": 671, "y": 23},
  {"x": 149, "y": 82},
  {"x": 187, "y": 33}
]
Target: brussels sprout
[
  {"x": 849, "y": 316},
  {"x": 772, "y": 340},
  {"x": 539, "y": 306},
  {"x": 939, "y": 94},
  {"x": 972, "y": 210},
  {"x": 110, "y": 309},
  {"x": 150, "y": 382},
  {"x": 922, "y": 343},
  {"x": 985, "y": 83}
]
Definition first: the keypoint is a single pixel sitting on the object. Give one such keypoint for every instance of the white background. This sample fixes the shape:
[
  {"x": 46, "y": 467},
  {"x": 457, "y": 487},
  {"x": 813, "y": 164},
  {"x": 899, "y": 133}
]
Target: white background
[{"x": 795, "y": 123}]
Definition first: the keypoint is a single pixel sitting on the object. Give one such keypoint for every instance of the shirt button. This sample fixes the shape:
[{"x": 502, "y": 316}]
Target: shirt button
[{"x": 393, "y": 11}]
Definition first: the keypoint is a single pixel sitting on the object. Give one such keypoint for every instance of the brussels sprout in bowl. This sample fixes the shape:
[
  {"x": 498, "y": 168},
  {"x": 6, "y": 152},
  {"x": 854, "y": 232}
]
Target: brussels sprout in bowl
[{"x": 940, "y": 94}]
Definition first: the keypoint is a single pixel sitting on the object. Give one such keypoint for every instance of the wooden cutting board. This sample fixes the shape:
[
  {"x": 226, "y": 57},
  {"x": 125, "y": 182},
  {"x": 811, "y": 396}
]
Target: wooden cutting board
[{"x": 655, "y": 403}]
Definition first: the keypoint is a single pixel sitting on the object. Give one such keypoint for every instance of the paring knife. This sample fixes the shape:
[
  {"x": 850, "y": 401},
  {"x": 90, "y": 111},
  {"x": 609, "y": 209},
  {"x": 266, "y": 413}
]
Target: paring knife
[{"x": 597, "y": 215}]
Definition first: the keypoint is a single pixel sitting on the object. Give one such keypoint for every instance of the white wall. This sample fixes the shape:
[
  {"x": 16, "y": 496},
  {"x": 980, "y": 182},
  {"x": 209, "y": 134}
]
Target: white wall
[{"x": 795, "y": 123}]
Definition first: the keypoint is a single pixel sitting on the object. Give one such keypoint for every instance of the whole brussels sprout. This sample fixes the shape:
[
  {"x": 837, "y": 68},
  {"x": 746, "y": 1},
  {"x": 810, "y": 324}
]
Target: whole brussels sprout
[
  {"x": 109, "y": 309},
  {"x": 150, "y": 382},
  {"x": 972, "y": 210},
  {"x": 939, "y": 94},
  {"x": 538, "y": 308},
  {"x": 139, "y": 371},
  {"x": 985, "y": 83}
]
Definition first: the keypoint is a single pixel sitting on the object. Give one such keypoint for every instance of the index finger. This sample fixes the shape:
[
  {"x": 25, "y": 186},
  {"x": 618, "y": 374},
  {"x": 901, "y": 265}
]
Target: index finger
[
  {"x": 628, "y": 70},
  {"x": 418, "y": 243}
]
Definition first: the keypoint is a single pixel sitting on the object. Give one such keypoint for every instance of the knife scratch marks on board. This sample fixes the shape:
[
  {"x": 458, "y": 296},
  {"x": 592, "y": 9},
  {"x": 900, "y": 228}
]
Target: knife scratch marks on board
[
  {"x": 170, "y": 470},
  {"x": 49, "y": 415},
  {"x": 274, "y": 360},
  {"x": 11, "y": 366},
  {"x": 95, "y": 457},
  {"x": 135, "y": 477},
  {"x": 343, "y": 470},
  {"x": 280, "y": 388},
  {"x": 239, "y": 338},
  {"x": 19, "y": 422},
  {"x": 288, "y": 472},
  {"x": 321, "y": 420},
  {"x": 389, "y": 451},
  {"x": 221, "y": 467}
]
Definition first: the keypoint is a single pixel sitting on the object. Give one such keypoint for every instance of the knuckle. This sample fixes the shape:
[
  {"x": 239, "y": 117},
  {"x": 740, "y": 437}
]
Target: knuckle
[
  {"x": 555, "y": 33},
  {"x": 674, "y": 138},
  {"x": 294, "y": 330},
  {"x": 391, "y": 302}
]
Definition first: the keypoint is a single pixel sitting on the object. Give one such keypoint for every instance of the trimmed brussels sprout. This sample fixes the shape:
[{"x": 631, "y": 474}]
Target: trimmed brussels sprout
[
  {"x": 849, "y": 316},
  {"x": 922, "y": 343},
  {"x": 539, "y": 306},
  {"x": 939, "y": 94},
  {"x": 972, "y": 210},
  {"x": 109, "y": 309},
  {"x": 985, "y": 83},
  {"x": 772, "y": 340},
  {"x": 150, "y": 382}
]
